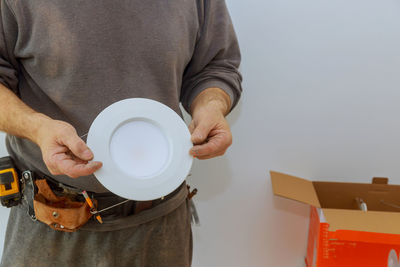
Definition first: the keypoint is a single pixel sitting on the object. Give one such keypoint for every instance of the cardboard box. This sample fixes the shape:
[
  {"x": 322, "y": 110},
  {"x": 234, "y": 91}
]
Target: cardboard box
[{"x": 340, "y": 233}]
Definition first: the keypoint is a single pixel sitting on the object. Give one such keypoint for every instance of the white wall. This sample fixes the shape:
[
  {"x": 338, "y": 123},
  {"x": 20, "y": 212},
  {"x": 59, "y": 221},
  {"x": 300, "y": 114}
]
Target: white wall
[{"x": 321, "y": 101}]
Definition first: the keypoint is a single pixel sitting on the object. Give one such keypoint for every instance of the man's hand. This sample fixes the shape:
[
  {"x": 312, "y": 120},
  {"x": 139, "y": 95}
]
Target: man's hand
[
  {"x": 64, "y": 152},
  {"x": 210, "y": 131}
]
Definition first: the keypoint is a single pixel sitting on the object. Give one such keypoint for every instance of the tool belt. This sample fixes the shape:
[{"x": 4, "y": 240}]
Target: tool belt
[
  {"x": 66, "y": 208},
  {"x": 63, "y": 213},
  {"x": 60, "y": 213},
  {"x": 63, "y": 208}
]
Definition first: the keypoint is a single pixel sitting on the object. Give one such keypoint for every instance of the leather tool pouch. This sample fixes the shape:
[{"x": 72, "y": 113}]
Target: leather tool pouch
[{"x": 61, "y": 213}]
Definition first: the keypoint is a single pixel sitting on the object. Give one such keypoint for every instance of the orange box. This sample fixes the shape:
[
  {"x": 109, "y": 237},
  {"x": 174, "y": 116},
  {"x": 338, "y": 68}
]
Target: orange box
[{"x": 351, "y": 224}]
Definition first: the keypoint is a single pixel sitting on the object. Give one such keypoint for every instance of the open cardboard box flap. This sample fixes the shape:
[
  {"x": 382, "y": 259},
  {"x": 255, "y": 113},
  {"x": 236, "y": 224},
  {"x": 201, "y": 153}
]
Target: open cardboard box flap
[
  {"x": 294, "y": 188},
  {"x": 338, "y": 202}
]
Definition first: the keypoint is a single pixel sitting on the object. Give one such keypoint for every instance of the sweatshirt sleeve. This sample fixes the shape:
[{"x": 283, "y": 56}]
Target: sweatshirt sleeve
[
  {"x": 8, "y": 34},
  {"x": 216, "y": 57}
]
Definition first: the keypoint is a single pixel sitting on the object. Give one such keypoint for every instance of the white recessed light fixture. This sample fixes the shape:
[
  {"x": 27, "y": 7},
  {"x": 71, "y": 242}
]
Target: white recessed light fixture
[{"x": 144, "y": 146}]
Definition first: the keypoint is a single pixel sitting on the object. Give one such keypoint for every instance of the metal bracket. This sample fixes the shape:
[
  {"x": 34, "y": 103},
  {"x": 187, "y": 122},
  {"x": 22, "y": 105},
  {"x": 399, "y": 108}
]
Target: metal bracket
[
  {"x": 193, "y": 211},
  {"x": 28, "y": 193},
  {"x": 94, "y": 211}
]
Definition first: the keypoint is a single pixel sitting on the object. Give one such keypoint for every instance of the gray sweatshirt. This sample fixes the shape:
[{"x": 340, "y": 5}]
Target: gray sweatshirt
[{"x": 71, "y": 59}]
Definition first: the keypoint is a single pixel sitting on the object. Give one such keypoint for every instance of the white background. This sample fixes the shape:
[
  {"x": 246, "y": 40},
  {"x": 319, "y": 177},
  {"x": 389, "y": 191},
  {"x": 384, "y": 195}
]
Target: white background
[{"x": 321, "y": 101}]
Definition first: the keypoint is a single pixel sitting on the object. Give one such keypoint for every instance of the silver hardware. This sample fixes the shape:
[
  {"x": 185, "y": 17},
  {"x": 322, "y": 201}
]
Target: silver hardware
[
  {"x": 361, "y": 204},
  {"x": 27, "y": 185},
  {"x": 56, "y": 225},
  {"x": 193, "y": 211},
  {"x": 93, "y": 211},
  {"x": 55, "y": 214},
  {"x": 62, "y": 226},
  {"x": 110, "y": 207}
]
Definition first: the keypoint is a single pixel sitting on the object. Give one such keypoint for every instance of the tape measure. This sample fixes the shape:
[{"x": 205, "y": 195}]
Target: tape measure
[{"x": 10, "y": 194}]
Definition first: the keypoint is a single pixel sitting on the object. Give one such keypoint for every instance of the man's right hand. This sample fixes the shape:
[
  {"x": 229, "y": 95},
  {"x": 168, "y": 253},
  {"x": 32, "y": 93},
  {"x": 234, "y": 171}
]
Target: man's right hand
[{"x": 64, "y": 152}]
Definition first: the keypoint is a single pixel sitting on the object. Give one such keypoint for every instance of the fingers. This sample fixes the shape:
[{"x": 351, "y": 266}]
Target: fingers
[
  {"x": 200, "y": 133},
  {"x": 191, "y": 127},
  {"x": 74, "y": 170},
  {"x": 64, "y": 152},
  {"x": 78, "y": 147},
  {"x": 64, "y": 164},
  {"x": 211, "y": 135},
  {"x": 214, "y": 147},
  {"x": 55, "y": 134}
]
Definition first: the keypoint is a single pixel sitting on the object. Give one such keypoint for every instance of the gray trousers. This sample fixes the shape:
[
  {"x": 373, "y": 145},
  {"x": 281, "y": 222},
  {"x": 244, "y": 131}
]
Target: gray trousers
[{"x": 163, "y": 242}]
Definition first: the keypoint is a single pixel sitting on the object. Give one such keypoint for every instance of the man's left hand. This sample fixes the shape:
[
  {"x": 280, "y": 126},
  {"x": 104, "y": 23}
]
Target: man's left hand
[{"x": 210, "y": 131}]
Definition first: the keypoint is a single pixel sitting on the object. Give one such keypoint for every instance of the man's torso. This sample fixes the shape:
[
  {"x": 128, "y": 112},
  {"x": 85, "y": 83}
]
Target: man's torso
[{"x": 77, "y": 57}]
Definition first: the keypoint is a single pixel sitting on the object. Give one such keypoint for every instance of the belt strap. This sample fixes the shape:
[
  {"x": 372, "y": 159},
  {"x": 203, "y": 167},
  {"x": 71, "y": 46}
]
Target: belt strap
[
  {"x": 29, "y": 191},
  {"x": 143, "y": 205}
]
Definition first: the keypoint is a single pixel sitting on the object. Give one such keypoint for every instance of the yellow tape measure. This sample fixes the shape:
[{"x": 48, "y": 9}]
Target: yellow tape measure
[{"x": 9, "y": 183}]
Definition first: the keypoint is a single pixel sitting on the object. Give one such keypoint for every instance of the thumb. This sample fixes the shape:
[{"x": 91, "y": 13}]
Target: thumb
[
  {"x": 200, "y": 133},
  {"x": 78, "y": 147},
  {"x": 191, "y": 126}
]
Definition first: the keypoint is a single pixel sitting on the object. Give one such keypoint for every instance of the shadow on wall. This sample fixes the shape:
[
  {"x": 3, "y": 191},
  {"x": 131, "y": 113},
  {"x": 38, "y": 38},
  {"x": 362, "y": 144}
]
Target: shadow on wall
[
  {"x": 213, "y": 176},
  {"x": 290, "y": 206}
]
